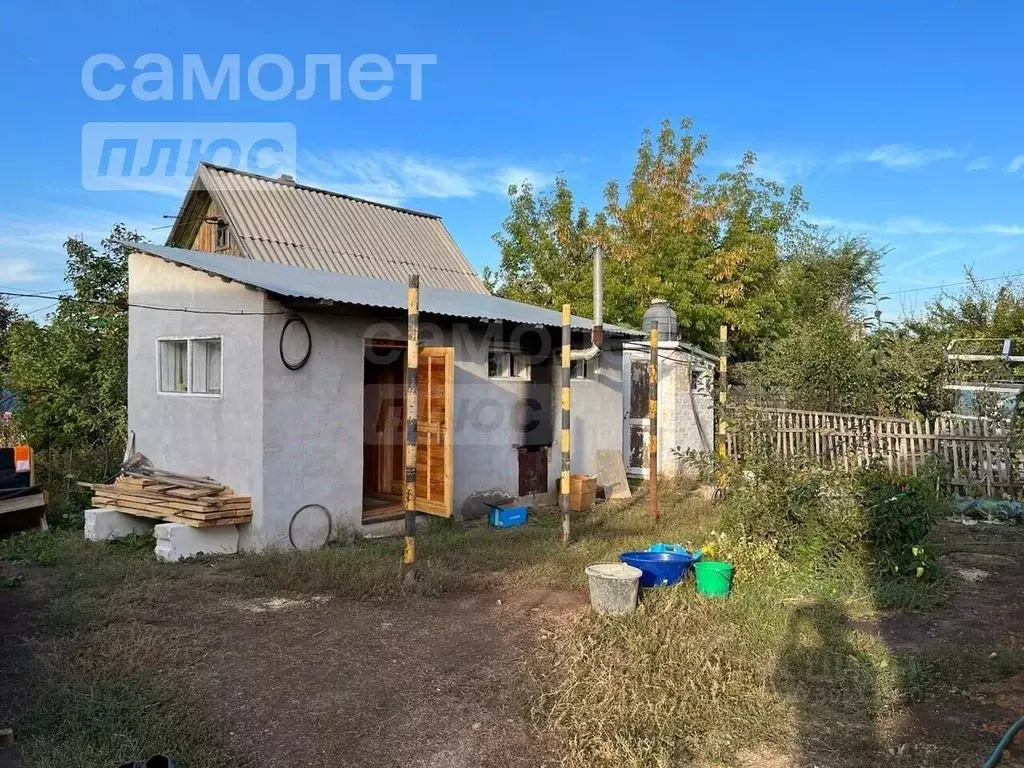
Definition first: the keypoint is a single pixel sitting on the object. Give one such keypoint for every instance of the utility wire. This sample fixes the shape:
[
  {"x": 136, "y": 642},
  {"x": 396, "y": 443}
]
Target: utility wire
[
  {"x": 954, "y": 285},
  {"x": 123, "y": 305}
]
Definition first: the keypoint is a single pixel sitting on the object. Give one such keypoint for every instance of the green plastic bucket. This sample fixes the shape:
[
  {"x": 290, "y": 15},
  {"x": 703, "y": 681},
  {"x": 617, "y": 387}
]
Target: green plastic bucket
[{"x": 714, "y": 578}]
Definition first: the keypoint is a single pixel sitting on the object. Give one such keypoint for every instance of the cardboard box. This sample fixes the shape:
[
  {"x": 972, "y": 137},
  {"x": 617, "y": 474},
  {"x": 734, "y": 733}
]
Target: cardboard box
[{"x": 582, "y": 492}]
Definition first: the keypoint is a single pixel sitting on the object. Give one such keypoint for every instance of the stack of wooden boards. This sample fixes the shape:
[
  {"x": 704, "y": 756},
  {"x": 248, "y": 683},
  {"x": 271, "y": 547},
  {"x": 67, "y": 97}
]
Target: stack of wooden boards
[{"x": 198, "y": 502}]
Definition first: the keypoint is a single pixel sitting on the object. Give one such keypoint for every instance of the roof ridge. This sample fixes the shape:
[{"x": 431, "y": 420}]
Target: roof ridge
[
  {"x": 421, "y": 265},
  {"x": 294, "y": 184}
]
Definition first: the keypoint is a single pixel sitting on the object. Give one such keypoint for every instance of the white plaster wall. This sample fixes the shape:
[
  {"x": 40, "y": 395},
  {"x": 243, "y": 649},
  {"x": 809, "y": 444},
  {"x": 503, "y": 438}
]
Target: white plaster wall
[
  {"x": 217, "y": 436},
  {"x": 596, "y": 411},
  {"x": 486, "y": 426},
  {"x": 313, "y": 427},
  {"x": 679, "y": 415}
]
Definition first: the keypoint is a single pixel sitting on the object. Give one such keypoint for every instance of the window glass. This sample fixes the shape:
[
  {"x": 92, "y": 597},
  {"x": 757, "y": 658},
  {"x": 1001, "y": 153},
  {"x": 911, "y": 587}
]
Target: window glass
[
  {"x": 497, "y": 364},
  {"x": 206, "y": 366},
  {"x": 174, "y": 366},
  {"x": 519, "y": 367},
  {"x": 582, "y": 369}
]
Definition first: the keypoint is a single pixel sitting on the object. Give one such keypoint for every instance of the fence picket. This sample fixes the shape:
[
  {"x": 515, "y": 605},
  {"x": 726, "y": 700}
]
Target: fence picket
[{"x": 977, "y": 450}]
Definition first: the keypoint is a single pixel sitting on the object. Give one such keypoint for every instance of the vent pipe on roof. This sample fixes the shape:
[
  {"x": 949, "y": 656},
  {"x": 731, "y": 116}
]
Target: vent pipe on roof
[
  {"x": 286, "y": 178},
  {"x": 597, "y": 335}
]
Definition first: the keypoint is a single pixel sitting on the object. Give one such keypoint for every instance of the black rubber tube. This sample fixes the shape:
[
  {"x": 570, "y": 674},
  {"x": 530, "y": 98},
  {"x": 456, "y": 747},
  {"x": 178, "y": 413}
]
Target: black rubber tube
[
  {"x": 327, "y": 515},
  {"x": 309, "y": 345}
]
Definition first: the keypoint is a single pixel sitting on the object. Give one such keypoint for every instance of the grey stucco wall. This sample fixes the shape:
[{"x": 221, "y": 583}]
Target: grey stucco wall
[
  {"x": 596, "y": 409},
  {"x": 219, "y": 436},
  {"x": 313, "y": 427}
]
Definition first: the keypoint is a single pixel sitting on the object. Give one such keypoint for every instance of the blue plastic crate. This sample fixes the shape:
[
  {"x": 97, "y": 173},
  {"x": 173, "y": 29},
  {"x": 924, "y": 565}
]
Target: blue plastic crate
[{"x": 507, "y": 515}]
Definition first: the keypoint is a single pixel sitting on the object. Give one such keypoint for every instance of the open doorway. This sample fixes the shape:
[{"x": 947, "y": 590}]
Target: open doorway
[{"x": 383, "y": 431}]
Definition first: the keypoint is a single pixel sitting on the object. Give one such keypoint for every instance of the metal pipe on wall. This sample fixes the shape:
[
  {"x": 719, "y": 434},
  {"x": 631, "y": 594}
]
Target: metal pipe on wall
[
  {"x": 652, "y": 418},
  {"x": 597, "y": 334},
  {"x": 412, "y": 359}
]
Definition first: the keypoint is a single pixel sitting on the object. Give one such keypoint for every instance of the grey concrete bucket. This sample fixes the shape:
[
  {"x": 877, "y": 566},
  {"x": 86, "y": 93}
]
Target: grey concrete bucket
[{"x": 614, "y": 588}]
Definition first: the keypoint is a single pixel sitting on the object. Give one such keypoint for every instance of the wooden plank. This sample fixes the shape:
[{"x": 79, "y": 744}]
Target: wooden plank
[
  {"x": 611, "y": 475},
  {"x": 239, "y": 520},
  {"x": 235, "y": 502},
  {"x": 197, "y": 505},
  {"x": 20, "y": 503},
  {"x": 191, "y": 493}
]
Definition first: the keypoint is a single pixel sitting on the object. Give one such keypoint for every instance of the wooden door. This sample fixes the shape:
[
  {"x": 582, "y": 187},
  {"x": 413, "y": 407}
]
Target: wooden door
[
  {"x": 638, "y": 423},
  {"x": 434, "y": 428}
]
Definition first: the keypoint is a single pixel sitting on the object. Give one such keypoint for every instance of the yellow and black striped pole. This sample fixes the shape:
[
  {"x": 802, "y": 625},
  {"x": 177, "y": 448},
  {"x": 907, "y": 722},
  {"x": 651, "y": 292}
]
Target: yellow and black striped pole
[
  {"x": 563, "y": 497},
  {"x": 652, "y": 418},
  {"x": 412, "y": 359},
  {"x": 723, "y": 386}
]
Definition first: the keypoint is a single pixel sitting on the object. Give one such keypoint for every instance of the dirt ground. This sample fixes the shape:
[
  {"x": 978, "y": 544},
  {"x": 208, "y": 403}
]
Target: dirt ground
[
  {"x": 986, "y": 615},
  {"x": 317, "y": 680},
  {"x": 432, "y": 683},
  {"x": 444, "y": 682}
]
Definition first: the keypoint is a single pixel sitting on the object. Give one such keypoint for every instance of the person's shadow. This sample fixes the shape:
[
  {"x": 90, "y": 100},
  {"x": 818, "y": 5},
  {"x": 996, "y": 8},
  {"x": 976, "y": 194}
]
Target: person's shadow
[{"x": 832, "y": 687}]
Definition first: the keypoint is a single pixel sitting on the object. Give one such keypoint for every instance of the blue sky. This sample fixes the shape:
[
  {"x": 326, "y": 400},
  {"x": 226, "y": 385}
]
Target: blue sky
[{"x": 902, "y": 123}]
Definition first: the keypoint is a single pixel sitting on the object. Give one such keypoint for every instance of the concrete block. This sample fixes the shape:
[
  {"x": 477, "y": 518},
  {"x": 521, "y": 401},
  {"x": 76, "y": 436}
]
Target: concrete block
[
  {"x": 177, "y": 541},
  {"x": 108, "y": 524}
]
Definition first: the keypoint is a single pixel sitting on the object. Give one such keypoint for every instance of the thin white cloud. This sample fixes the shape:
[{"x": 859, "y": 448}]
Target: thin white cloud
[
  {"x": 898, "y": 157},
  {"x": 914, "y": 226},
  {"x": 32, "y": 245},
  {"x": 1015, "y": 164},
  {"x": 396, "y": 177},
  {"x": 983, "y": 163},
  {"x": 18, "y": 271},
  {"x": 518, "y": 175},
  {"x": 781, "y": 165}
]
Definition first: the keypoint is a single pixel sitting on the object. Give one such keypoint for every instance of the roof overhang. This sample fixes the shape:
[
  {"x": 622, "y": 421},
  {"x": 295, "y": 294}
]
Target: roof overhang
[{"x": 286, "y": 282}]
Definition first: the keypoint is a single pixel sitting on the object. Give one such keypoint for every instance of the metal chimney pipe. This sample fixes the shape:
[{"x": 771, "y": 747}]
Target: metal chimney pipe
[{"x": 597, "y": 334}]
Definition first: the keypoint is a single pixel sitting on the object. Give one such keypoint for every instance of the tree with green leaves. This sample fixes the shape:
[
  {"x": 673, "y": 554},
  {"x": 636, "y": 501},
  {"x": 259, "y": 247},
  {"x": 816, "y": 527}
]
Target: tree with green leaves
[
  {"x": 715, "y": 249},
  {"x": 69, "y": 375}
]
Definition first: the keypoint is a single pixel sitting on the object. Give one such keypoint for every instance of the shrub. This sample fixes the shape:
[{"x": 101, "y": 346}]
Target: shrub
[
  {"x": 819, "y": 517},
  {"x": 901, "y": 510}
]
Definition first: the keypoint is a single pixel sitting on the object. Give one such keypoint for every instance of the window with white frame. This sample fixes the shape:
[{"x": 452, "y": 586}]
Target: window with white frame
[
  {"x": 190, "y": 366},
  {"x": 583, "y": 369},
  {"x": 223, "y": 236},
  {"x": 504, "y": 363}
]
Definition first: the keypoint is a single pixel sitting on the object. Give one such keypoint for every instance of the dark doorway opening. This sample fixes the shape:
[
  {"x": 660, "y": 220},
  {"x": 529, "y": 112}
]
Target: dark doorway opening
[{"x": 383, "y": 432}]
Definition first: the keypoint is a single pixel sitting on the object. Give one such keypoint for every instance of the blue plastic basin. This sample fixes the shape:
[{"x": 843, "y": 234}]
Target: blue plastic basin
[{"x": 660, "y": 569}]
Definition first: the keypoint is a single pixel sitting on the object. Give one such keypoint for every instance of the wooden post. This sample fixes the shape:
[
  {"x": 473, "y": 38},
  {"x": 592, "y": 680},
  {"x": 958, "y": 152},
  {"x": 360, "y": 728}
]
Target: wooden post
[
  {"x": 723, "y": 386},
  {"x": 412, "y": 360},
  {"x": 563, "y": 496},
  {"x": 652, "y": 418}
]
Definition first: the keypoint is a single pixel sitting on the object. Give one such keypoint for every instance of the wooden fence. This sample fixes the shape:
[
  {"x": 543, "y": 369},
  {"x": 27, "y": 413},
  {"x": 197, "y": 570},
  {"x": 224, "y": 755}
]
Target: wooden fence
[{"x": 977, "y": 450}]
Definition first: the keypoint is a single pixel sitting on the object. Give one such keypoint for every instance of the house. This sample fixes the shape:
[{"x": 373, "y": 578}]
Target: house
[{"x": 267, "y": 345}]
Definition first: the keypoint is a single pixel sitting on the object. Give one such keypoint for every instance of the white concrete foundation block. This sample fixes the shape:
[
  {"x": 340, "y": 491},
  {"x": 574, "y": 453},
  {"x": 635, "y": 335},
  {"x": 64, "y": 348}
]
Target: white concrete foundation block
[
  {"x": 109, "y": 524},
  {"x": 177, "y": 541}
]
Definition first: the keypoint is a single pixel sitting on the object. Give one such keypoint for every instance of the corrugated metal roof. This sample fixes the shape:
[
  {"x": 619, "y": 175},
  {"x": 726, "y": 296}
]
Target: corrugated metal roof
[
  {"x": 288, "y": 223},
  {"x": 286, "y": 281}
]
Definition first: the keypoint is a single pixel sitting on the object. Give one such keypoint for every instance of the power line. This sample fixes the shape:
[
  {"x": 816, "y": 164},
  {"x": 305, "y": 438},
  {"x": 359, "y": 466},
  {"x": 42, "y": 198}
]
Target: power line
[
  {"x": 46, "y": 308},
  {"x": 124, "y": 305},
  {"x": 954, "y": 285}
]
